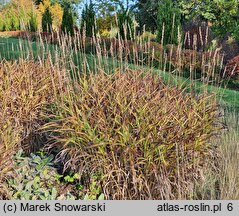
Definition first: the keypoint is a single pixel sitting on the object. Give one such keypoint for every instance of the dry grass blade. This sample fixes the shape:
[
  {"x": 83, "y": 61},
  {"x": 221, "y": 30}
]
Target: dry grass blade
[{"x": 25, "y": 89}]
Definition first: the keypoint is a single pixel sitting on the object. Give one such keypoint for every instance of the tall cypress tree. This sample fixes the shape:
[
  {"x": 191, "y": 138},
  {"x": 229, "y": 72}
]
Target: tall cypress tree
[
  {"x": 67, "y": 21},
  {"x": 88, "y": 19},
  {"x": 47, "y": 21}
]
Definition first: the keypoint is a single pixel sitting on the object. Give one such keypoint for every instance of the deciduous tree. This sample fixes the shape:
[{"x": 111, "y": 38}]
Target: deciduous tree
[
  {"x": 146, "y": 14},
  {"x": 168, "y": 22}
]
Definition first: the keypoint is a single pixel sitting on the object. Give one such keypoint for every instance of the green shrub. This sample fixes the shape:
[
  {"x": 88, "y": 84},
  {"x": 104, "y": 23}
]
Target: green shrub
[
  {"x": 147, "y": 139},
  {"x": 148, "y": 36},
  {"x": 8, "y": 24},
  {"x": 11, "y": 23},
  {"x": 15, "y": 23},
  {"x": 235, "y": 32},
  {"x": 47, "y": 21},
  {"x": 1, "y": 24},
  {"x": 105, "y": 34}
]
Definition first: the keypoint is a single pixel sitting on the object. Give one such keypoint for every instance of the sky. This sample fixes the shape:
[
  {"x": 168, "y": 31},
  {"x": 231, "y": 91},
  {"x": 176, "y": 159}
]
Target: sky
[{"x": 4, "y": 1}]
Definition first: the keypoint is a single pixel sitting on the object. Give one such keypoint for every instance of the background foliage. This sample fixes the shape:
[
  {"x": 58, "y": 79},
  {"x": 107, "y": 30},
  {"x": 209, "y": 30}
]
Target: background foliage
[{"x": 47, "y": 21}]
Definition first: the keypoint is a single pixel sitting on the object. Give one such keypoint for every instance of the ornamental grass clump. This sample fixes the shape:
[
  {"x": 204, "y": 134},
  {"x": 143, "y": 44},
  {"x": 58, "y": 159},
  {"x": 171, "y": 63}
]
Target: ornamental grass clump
[
  {"x": 146, "y": 140},
  {"x": 26, "y": 87}
]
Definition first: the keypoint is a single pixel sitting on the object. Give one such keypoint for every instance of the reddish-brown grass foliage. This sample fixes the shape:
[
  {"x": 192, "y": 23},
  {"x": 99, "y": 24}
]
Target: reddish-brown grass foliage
[
  {"x": 147, "y": 140},
  {"x": 25, "y": 88},
  {"x": 19, "y": 34},
  {"x": 187, "y": 59},
  {"x": 196, "y": 36},
  {"x": 10, "y": 33},
  {"x": 232, "y": 67}
]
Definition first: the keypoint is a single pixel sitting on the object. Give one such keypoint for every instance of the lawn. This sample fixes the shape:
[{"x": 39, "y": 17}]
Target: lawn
[{"x": 14, "y": 48}]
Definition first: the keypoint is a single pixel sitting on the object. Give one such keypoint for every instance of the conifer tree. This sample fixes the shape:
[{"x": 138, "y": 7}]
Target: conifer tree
[
  {"x": 67, "y": 21},
  {"x": 47, "y": 21},
  {"x": 88, "y": 19}
]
